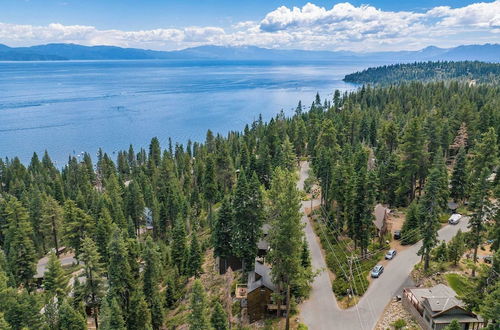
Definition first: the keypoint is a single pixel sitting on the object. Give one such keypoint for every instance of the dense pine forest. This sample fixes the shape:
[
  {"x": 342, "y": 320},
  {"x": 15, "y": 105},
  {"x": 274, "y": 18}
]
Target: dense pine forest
[
  {"x": 141, "y": 226},
  {"x": 467, "y": 71}
]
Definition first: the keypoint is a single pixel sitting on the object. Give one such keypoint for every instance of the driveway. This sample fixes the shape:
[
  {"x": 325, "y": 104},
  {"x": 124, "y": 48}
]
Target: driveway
[{"x": 321, "y": 310}]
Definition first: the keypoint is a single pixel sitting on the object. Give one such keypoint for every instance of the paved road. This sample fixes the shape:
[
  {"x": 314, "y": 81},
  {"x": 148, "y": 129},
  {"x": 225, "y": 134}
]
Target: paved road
[{"x": 321, "y": 311}]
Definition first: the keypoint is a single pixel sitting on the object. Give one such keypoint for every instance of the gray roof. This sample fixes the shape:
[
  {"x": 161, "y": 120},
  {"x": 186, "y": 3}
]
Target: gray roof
[
  {"x": 265, "y": 228},
  {"x": 452, "y": 205},
  {"x": 439, "y": 304},
  {"x": 260, "y": 276},
  {"x": 263, "y": 244},
  {"x": 462, "y": 318},
  {"x": 437, "y": 291}
]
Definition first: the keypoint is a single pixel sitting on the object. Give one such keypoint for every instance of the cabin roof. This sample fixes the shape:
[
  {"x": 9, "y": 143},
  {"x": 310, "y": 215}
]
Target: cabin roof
[{"x": 260, "y": 276}]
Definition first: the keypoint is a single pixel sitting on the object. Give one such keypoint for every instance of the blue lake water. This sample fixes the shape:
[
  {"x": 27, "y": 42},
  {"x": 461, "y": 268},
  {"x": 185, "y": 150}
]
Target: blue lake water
[{"x": 69, "y": 107}]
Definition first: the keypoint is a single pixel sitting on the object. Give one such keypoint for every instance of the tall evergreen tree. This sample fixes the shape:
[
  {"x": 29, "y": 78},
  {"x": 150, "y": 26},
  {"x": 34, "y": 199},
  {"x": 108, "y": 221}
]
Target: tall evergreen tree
[
  {"x": 70, "y": 319},
  {"x": 195, "y": 257},
  {"x": 459, "y": 176},
  {"x": 52, "y": 219},
  {"x": 151, "y": 277},
  {"x": 139, "y": 316},
  {"x": 93, "y": 288},
  {"x": 222, "y": 232},
  {"x": 482, "y": 210},
  {"x": 77, "y": 225},
  {"x": 430, "y": 208},
  {"x": 285, "y": 235},
  {"x": 111, "y": 315},
  {"x": 19, "y": 247},
  {"x": 120, "y": 279},
  {"x": 219, "y": 318},
  {"x": 55, "y": 280},
  {"x": 179, "y": 248},
  {"x": 248, "y": 214},
  {"x": 198, "y": 319},
  {"x": 410, "y": 233}
]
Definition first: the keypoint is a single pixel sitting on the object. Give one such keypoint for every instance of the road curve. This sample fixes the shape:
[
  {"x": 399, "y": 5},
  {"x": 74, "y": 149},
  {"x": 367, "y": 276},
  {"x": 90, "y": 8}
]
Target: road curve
[{"x": 321, "y": 311}]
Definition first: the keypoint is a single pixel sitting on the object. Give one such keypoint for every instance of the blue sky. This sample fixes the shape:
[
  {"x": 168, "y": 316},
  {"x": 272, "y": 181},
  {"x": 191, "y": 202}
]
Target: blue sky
[{"x": 166, "y": 24}]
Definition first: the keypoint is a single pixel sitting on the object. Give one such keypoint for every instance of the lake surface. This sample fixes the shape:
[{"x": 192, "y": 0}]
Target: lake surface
[{"x": 69, "y": 107}]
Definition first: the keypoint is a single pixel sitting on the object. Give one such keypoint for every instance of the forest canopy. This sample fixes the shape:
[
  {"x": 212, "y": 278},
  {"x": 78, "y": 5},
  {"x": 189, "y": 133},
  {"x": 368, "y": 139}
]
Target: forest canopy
[{"x": 479, "y": 72}]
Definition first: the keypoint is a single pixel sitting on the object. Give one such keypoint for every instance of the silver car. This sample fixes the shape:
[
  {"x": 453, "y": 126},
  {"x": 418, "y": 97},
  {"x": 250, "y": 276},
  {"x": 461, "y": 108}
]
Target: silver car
[
  {"x": 390, "y": 254},
  {"x": 377, "y": 271}
]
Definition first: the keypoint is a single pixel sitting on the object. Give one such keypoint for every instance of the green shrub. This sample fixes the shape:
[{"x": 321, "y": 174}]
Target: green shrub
[{"x": 399, "y": 324}]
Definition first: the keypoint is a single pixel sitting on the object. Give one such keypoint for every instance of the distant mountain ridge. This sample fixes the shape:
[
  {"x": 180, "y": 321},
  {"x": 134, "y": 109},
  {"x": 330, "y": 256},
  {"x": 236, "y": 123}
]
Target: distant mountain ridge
[{"x": 486, "y": 52}]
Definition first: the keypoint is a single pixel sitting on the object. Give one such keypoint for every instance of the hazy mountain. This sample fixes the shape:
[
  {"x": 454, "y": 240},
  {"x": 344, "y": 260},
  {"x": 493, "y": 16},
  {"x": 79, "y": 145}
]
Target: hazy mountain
[{"x": 487, "y": 52}]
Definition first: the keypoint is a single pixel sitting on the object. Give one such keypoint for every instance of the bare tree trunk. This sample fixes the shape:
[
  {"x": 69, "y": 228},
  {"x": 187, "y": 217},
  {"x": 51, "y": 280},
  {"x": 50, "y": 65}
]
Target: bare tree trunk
[
  {"x": 287, "y": 324},
  {"x": 474, "y": 260}
]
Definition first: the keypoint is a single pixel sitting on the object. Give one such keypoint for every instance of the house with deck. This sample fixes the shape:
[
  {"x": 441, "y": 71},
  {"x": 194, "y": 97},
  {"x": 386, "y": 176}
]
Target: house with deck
[{"x": 435, "y": 308}]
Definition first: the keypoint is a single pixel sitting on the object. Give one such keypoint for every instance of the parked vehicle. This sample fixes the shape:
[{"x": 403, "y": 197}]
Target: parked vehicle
[
  {"x": 397, "y": 234},
  {"x": 454, "y": 219},
  {"x": 390, "y": 254},
  {"x": 377, "y": 271},
  {"x": 488, "y": 259}
]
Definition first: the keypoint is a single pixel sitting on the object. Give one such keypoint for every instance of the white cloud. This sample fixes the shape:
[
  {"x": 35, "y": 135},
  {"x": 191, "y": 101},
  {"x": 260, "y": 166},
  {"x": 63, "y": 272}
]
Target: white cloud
[{"x": 344, "y": 26}]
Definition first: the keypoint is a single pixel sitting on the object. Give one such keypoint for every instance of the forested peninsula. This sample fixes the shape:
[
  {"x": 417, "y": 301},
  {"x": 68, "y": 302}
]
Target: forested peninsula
[
  {"x": 142, "y": 230},
  {"x": 465, "y": 71}
]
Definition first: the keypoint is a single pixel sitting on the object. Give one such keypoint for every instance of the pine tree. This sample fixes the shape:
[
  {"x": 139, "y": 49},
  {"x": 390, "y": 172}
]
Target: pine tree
[
  {"x": 170, "y": 294},
  {"x": 222, "y": 233},
  {"x": 103, "y": 233},
  {"x": 481, "y": 205},
  {"x": 93, "y": 288},
  {"x": 413, "y": 158},
  {"x": 111, "y": 315},
  {"x": 195, "y": 257},
  {"x": 151, "y": 275},
  {"x": 430, "y": 208},
  {"x": 456, "y": 248},
  {"x": 119, "y": 272},
  {"x": 209, "y": 184},
  {"x": 139, "y": 316},
  {"x": 490, "y": 309},
  {"x": 219, "y": 318},
  {"x": 135, "y": 205},
  {"x": 179, "y": 249},
  {"x": 77, "y": 225},
  {"x": 19, "y": 247},
  {"x": 459, "y": 177},
  {"x": 55, "y": 280},
  {"x": 198, "y": 319},
  {"x": 285, "y": 235},
  {"x": 3, "y": 324},
  {"x": 410, "y": 233},
  {"x": 52, "y": 219},
  {"x": 249, "y": 215},
  {"x": 70, "y": 319}
]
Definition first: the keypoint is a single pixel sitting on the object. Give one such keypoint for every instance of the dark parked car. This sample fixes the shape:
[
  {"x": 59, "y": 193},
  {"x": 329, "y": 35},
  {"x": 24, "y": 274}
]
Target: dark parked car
[
  {"x": 397, "y": 234},
  {"x": 377, "y": 271},
  {"x": 488, "y": 259}
]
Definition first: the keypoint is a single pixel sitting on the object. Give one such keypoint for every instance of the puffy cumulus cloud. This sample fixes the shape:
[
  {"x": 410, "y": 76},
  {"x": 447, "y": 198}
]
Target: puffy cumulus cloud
[
  {"x": 89, "y": 35},
  {"x": 340, "y": 16},
  {"x": 480, "y": 15},
  {"x": 345, "y": 26},
  {"x": 342, "y": 27}
]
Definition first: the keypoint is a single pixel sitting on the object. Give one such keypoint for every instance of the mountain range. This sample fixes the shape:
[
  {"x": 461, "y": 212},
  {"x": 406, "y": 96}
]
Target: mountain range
[{"x": 57, "y": 52}]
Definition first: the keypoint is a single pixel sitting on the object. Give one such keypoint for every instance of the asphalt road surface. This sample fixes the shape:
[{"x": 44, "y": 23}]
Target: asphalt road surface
[{"x": 321, "y": 311}]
